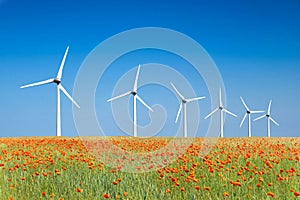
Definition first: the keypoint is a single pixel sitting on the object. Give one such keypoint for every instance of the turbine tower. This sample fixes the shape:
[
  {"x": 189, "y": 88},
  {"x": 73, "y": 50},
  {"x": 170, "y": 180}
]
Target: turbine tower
[
  {"x": 248, "y": 112},
  {"x": 222, "y": 110},
  {"x": 57, "y": 80},
  {"x": 183, "y": 103},
  {"x": 135, "y": 98},
  {"x": 269, "y": 119}
]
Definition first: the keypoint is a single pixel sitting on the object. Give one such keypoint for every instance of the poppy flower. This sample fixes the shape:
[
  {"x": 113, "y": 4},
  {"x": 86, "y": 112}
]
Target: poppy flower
[{"x": 271, "y": 194}]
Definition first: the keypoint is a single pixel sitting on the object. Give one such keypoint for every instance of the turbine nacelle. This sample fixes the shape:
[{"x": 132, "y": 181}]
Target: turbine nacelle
[{"x": 57, "y": 81}]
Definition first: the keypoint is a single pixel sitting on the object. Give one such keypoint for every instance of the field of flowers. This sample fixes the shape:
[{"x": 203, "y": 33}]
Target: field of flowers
[{"x": 68, "y": 168}]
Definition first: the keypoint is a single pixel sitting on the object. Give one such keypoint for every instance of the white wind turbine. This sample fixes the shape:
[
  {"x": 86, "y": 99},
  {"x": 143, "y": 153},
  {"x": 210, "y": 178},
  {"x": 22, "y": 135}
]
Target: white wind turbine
[
  {"x": 183, "y": 104},
  {"x": 222, "y": 109},
  {"x": 269, "y": 118},
  {"x": 248, "y": 112},
  {"x": 56, "y": 80},
  {"x": 135, "y": 98}
]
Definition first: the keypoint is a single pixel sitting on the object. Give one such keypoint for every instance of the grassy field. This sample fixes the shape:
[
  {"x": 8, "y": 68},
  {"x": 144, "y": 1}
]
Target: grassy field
[{"x": 68, "y": 168}]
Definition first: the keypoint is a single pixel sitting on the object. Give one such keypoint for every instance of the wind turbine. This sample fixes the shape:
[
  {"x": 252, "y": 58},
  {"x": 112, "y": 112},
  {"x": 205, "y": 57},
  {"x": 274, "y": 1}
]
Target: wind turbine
[
  {"x": 248, "y": 112},
  {"x": 183, "y": 104},
  {"x": 56, "y": 80},
  {"x": 135, "y": 98},
  {"x": 269, "y": 118},
  {"x": 222, "y": 109}
]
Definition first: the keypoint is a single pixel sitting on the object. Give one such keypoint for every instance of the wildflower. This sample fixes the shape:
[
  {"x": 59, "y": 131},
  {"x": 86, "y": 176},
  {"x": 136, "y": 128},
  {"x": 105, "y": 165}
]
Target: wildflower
[
  {"x": 271, "y": 194},
  {"x": 106, "y": 196},
  {"x": 168, "y": 190},
  {"x": 297, "y": 194},
  {"x": 79, "y": 190},
  {"x": 43, "y": 193},
  {"x": 197, "y": 187},
  {"x": 236, "y": 183},
  {"x": 125, "y": 194},
  {"x": 270, "y": 184},
  {"x": 207, "y": 188},
  {"x": 115, "y": 183},
  {"x": 182, "y": 189},
  {"x": 225, "y": 194}
]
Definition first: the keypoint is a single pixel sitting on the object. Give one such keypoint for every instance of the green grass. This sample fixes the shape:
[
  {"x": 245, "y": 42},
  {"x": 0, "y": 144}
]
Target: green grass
[{"x": 82, "y": 176}]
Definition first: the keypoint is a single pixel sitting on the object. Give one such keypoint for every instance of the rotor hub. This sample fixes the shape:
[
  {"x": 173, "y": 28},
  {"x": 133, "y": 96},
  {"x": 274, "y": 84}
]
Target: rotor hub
[
  {"x": 134, "y": 93},
  {"x": 57, "y": 81}
]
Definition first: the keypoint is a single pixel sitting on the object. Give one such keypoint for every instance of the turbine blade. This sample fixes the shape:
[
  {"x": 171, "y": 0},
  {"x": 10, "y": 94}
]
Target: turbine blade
[
  {"x": 59, "y": 74},
  {"x": 136, "y": 78},
  {"x": 269, "y": 107},
  {"x": 243, "y": 119},
  {"x": 178, "y": 113},
  {"x": 259, "y": 117},
  {"x": 215, "y": 110},
  {"x": 119, "y": 96},
  {"x": 220, "y": 97},
  {"x": 143, "y": 102},
  {"x": 245, "y": 105},
  {"x": 67, "y": 94},
  {"x": 274, "y": 121},
  {"x": 194, "y": 99},
  {"x": 38, "y": 83},
  {"x": 177, "y": 92},
  {"x": 256, "y": 111},
  {"x": 229, "y": 112}
]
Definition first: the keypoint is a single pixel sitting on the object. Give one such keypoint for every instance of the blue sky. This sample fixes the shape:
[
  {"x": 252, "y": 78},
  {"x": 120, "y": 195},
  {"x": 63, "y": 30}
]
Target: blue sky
[{"x": 255, "y": 45}]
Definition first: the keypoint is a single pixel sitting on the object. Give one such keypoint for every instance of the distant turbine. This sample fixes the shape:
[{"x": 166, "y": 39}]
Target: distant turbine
[
  {"x": 56, "y": 80},
  {"x": 269, "y": 118},
  {"x": 183, "y": 103},
  {"x": 222, "y": 109},
  {"x": 248, "y": 112},
  {"x": 135, "y": 97}
]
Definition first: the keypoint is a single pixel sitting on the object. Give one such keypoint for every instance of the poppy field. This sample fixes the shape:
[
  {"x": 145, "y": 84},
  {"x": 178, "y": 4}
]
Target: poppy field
[{"x": 70, "y": 168}]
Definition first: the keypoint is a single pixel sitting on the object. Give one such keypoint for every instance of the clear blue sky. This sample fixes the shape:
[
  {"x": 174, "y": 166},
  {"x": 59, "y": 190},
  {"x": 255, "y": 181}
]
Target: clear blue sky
[{"x": 255, "y": 44}]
